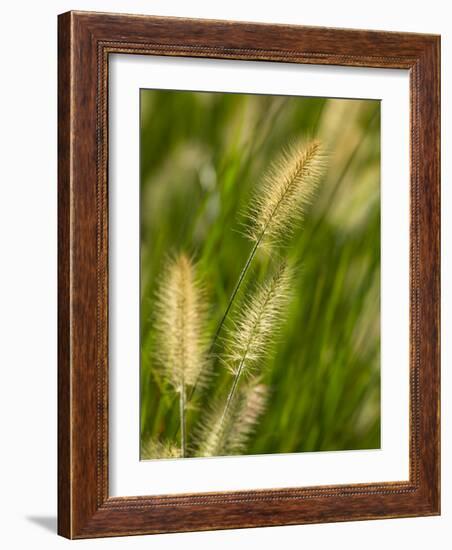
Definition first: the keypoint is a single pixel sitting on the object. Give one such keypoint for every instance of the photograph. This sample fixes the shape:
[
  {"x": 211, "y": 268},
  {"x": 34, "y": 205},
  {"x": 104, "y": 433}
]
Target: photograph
[
  {"x": 259, "y": 274},
  {"x": 224, "y": 232}
]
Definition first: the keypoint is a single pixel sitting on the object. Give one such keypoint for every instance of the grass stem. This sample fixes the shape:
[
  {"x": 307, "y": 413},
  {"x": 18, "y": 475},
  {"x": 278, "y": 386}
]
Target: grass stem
[
  {"x": 231, "y": 301},
  {"x": 182, "y": 421},
  {"x": 234, "y": 292},
  {"x": 231, "y": 394}
]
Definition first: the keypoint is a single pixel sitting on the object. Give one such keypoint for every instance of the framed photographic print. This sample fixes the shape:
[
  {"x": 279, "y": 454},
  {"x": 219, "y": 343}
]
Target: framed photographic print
[{"x": 248, "y": 275}]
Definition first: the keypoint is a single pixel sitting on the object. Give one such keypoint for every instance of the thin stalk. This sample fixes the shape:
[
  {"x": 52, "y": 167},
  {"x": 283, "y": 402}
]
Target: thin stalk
[
  {"x": 242, "y": 362},
  {"x": 231, "y": 301},
  {"x": 236, "y": 289},
  {"x": 182, "y": 420},
  {"x": 231, "y": 394}
]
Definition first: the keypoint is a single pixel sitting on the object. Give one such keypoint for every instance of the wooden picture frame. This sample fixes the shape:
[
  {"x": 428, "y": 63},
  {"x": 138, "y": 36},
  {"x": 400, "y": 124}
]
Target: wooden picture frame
[{"x": 85, "y": 42}]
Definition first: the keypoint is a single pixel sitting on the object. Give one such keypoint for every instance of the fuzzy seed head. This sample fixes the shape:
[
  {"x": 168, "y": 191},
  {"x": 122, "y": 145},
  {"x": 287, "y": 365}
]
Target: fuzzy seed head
[
  {"x": 180, "y": 313},
  {"x": 287, "y": 188},
  {"x": 220, "y": 436},
  {"x": 250, "y": 337},
  {"x": 251, "y": 405},
  {"x": 157, "y": 449}
]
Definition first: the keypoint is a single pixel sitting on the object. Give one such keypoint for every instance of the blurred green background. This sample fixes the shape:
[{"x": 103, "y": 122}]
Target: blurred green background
[{"x": 202, "y": 156}]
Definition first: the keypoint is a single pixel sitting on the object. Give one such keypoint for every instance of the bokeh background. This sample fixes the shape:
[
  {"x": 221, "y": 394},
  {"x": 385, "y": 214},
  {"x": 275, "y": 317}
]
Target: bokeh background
[{"x": 202, "y": 156}]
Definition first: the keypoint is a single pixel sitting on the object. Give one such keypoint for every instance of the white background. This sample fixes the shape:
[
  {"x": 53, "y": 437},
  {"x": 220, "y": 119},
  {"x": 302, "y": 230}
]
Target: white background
[
  {"x": 128, "y": 475},
  {"x": 28, "y": 272}
]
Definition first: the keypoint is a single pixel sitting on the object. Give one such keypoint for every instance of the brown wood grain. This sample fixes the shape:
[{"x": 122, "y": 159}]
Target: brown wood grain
[
  {"x": 85, "y": 42},
  {"x": 64, "y": 295}
]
